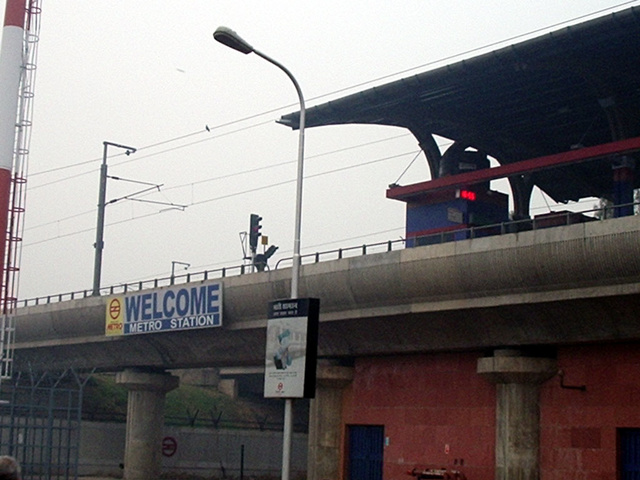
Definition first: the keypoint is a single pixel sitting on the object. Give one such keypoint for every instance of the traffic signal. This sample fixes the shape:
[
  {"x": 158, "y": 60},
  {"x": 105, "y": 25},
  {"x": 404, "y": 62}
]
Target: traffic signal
[{"x": 254, "y": 231}]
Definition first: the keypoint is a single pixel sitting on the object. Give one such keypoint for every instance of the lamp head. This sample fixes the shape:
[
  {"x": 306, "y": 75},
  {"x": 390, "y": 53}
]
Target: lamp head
[{"x": 231, "y": 39}]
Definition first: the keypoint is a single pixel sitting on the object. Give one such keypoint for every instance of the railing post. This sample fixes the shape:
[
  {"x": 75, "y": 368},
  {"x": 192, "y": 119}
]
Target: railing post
[{"x": 511, "y": 226}]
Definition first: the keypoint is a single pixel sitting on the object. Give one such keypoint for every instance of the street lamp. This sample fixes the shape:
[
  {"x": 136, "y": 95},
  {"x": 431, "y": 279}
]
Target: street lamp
[
  {"x": 102, "y": 197},
  {"x": 231, "y": 39},
  {"x": 173, "y": 268}
]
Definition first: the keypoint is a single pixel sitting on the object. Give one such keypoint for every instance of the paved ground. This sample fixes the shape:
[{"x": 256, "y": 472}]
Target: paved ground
[{"x": 96, "y": 478}]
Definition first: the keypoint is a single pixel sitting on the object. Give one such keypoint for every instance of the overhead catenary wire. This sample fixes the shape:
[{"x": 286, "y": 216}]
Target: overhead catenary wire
[
  {"x": 238, "y": 121},
  {"x": 239, "y": 173},
  {"x": 207, "y": 130},
  {"x": 210, "y": 266},
  {"x": 222, "y": 197}
]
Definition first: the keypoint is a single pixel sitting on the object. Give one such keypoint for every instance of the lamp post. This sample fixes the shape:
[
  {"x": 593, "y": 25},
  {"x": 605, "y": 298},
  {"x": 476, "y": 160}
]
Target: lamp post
[
  {"x": 102, "y": 194},
  {"x": 232, "y": 40},
  {"x": 173, "y": 268}
]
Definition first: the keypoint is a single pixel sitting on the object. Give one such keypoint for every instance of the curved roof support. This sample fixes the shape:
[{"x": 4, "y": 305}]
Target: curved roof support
[
  {"x": 430, "y": 148},
  {"x": 574, "y": 88},
  {"x": 521, "y": 187},
  {"x": 454, "y": 150},
  {"x": 614, "y": 118}
]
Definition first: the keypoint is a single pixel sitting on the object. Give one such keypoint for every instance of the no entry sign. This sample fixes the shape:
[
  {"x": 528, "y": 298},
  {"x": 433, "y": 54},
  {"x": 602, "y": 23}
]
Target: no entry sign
[{"x": 169, "y": 446}]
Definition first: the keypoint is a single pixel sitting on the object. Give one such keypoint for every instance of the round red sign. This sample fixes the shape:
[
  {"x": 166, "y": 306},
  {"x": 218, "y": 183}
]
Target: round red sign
[
  {"x": 169, "y": 446},
  {"x": 114, "y": 308}
]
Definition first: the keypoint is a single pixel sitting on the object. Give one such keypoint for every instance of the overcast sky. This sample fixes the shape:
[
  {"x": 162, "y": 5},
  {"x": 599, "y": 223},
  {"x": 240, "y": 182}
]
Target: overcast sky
[{"x": 148, "y": 74}]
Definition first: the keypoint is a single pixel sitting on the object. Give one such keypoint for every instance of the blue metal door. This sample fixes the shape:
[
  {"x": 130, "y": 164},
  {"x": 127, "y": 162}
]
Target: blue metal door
[
  {"x": 366, "y": 448},
  {"x": 630, "y": 454}
]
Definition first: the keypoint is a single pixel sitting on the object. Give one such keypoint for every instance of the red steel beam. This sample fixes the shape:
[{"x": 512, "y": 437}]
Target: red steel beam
[{"x": 518, "y": 168}]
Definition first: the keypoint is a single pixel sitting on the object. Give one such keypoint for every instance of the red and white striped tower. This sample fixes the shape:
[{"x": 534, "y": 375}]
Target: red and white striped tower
[{"x": 10, "y": 73}]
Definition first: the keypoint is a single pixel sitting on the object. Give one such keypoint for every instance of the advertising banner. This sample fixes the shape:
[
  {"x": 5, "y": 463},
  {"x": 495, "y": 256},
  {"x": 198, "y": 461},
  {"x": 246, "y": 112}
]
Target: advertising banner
[
  {"x": 183, "y": 307},
  {"x": 292, "y": 348}
]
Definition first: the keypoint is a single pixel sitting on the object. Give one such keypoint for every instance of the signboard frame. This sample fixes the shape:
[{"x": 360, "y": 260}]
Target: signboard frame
[
  {"x": 291, "y": 352},
  {"x": 169, "y": 309}
]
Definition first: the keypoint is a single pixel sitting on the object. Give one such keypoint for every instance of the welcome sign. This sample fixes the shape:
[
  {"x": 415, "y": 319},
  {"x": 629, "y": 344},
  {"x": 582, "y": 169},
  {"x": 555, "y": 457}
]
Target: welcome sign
[{"x": 176, "y": 308}]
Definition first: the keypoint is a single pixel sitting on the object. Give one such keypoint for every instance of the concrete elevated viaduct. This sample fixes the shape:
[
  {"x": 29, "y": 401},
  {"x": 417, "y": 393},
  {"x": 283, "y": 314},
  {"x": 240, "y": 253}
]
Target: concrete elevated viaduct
[
  {"x": 526, "y": 291},
  {"x": 509, "y": 290}
]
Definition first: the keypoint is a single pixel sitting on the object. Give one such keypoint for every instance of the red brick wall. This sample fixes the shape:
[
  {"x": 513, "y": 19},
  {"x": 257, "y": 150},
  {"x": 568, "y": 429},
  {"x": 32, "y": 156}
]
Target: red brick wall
[
  {"x": 579, "y": 429},
  {"x": 436, "y": 410},
  {"x": 429, "y": 402}
]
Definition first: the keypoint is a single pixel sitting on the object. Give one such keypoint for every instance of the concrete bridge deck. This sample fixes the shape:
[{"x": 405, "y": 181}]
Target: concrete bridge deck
[{"x": 570, "y": 284}]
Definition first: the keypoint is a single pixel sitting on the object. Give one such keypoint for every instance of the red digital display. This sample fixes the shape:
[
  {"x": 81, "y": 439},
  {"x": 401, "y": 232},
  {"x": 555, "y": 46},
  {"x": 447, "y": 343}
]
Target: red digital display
[{"x": 468, "y": 195}]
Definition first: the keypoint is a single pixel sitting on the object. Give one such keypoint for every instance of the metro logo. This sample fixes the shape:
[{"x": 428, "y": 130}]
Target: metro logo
[
  {"x": 115, "y": 309},
  {"x": 114, "y": 324}
]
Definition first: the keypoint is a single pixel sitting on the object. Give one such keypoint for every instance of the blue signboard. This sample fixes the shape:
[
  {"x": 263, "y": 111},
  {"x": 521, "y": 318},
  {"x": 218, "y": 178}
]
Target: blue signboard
[{"x": 176, "y": 308}]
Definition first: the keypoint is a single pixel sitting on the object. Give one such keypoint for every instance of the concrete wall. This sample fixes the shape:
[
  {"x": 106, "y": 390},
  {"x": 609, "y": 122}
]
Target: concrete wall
[{"x": 200, "y": 451}]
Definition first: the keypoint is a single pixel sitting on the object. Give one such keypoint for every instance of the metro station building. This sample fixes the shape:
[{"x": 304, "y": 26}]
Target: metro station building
[
  {"x": 521, "y": 359},
  {"x": 493, "y": 344}
]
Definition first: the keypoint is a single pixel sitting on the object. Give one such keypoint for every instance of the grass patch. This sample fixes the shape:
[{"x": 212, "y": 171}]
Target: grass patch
[{"x": 105, "y": 400}]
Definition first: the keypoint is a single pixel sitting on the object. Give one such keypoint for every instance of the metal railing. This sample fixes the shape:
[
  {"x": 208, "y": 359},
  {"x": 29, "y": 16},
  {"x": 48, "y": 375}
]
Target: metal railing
[{"x": 514, "y": 226}]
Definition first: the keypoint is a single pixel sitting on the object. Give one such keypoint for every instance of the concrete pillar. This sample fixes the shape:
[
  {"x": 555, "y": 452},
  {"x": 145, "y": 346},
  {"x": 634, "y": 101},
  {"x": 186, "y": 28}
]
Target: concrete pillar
[
  {"x": 228, "y": 386},
  {"x": 517, "y": 380},
  {"x": 325, "y": 422},
  {"x": 202, "y": 377},
  {"x": 145, "y": 421}
]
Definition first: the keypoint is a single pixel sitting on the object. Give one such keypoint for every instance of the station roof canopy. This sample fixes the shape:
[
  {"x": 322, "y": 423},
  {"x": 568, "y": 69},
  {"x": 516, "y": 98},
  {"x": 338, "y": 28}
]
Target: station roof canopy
[{"x": 572, "y": 88}]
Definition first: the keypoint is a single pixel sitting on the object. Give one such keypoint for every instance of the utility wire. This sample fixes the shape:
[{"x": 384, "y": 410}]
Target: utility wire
[
  {"x": 335, "y": 92},
  {"x": 230, "y": 195},
  {"x": 137, "y": 157},
  {"x": 243, "y": 172},
  {"x": 244, "y": 119},
  {"x": 288, "y": 162},
  {"x": 283, "y": 254}
]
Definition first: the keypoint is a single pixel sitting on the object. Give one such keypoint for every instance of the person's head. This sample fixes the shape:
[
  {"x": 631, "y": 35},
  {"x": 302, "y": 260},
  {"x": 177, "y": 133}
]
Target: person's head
[{"x": 9, "y": 468}]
